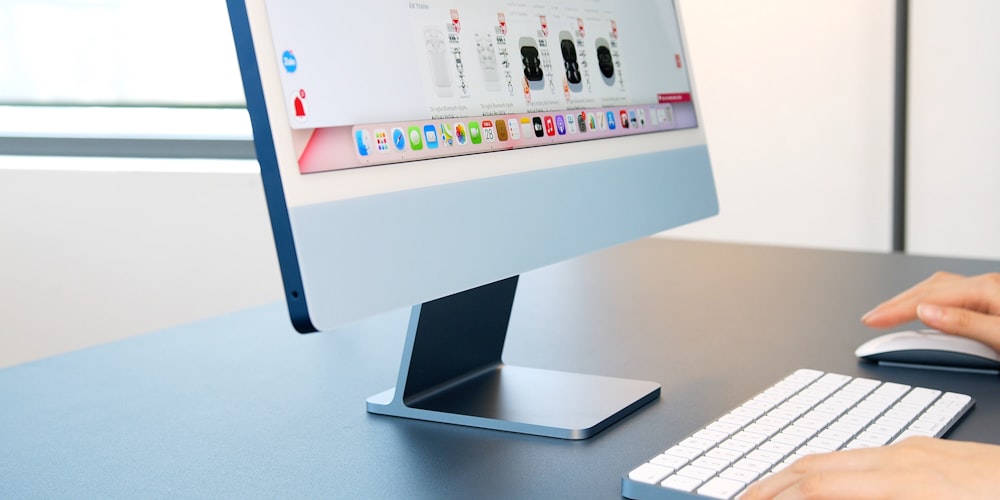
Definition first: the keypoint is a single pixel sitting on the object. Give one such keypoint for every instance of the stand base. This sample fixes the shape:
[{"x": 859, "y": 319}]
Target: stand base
[{"x": 525, "y": 400}]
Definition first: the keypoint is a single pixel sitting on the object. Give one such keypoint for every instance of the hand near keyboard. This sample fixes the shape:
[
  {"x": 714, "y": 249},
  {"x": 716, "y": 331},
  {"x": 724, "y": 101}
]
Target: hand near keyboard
[
  {"x": 951, "y": 303},
  {"x": 917, "y": 467}
]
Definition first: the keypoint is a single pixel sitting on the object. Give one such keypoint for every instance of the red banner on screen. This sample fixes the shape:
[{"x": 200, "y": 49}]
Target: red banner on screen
[{"x": 671, "y": 98}]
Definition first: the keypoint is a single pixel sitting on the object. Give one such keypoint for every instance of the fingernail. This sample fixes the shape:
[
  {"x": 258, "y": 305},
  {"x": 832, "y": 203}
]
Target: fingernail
[
  {"x": 929, "y": 314},
  {"x": 868, "y": 315}
]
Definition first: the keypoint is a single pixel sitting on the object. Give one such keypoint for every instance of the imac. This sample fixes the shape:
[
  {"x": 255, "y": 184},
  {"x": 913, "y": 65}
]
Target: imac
[{"x": 425, "y": 153}]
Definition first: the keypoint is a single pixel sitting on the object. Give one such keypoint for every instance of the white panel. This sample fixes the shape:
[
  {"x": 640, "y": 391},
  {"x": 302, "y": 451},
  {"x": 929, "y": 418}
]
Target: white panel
[
  {"x": 954, "y": 142},
  {"x": 91, "y": 257},
  {"x": 796, "y": 98}
]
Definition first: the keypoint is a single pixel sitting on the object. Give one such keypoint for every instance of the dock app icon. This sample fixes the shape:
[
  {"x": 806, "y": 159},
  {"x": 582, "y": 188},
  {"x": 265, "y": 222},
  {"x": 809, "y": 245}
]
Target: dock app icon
[
  {"x": 416, "y": 141},
  {"x": 398, "y": 139},
  {"x": 431, "y": 136},
  {"x": 364, "y": 142},
  {"x": 475, "y": 133}
]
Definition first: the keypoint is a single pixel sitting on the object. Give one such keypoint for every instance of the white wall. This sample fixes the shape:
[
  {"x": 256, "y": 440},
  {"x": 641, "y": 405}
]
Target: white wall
[
  {"x": 954, "y": 129},
  {"x": 90, "y": 257},
  {"x": 796, "y": 98}
]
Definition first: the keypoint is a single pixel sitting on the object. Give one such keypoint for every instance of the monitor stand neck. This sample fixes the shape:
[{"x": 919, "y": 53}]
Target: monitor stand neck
[{"x": 452, "y": 372}]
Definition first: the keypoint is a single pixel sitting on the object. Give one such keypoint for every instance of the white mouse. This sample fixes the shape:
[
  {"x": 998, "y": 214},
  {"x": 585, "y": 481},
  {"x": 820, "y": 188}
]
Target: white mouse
[{"x": 929, "y": 348}]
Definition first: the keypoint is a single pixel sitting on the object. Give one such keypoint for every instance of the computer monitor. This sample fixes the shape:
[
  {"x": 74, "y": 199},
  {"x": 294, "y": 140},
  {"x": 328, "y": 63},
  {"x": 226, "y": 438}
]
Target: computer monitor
[{"x": 426, "y": 153}]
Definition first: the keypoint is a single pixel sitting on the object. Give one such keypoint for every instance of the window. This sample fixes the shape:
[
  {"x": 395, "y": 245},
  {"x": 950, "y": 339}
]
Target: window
[
  {"x": 119, "y": 52},
  {"x": 91, "y": 76}
]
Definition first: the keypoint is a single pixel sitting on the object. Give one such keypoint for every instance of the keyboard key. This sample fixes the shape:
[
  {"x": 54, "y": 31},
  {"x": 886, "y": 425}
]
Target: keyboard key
[
  {"x": 846, "y": 427},
  {"x": 876, "y": 437},
  {"x": 671, "y": 461},
  {"x": 696, "y": 472},
  {"x": 649, "y": 473},
  {"x": 896, "y": 423},
  {"x": 765, "y": 456},
  {"x": 750, "y": 413},
  {"x": 805, "y": 375},
  {"x": 782, "y": 448},
  {"x": 698, "y": 443},
  {"x": 865, "y": 413},
  {"x": 710, "y": 435},
  {"x": 770, "y": 397},
  {"x": 830, "y": 433},
  {"x": 683, "y": 452},
  {"x": 826, "y": 443},
  {"x": 723, "y": 427},
  {"x": 930, "y": 428},
  {"x": 858, "y": 443},
  {"x": 921, "y": 396},
  {"x": 777, "y": 468},
  {"x": 771, "y": 421},
  {"x": 956, "y": 399},
  {"x": 796, "y": 407},
  {"x": 823, "y": 415},
  {"x": 934, "y": 417},
  {"x": 724, "y": 454},
  {"x": 798, "y": 430},
  {"x": 750, "y": 437},
  {"x": 948, "y": 405},
  {"x": 721, "y": 488},
  {"x": 742, "y": 475},
  {"x": 905, "y": 434},
  {"x": 813, "y": 424},
  {"x": 715, "y": 464},
  {"x": 883, "y": 429},
  {"x": 903, "y": 412},
  {"x": 759, "y": 405},
  {"x": 790, "y": 439},
  {"x": 855, "y": 420},
  {"x": 875, "y": 405},
  {"x": 739, "y": 420},
  {"x": 783, "y": 414},
  {"x": 740, "y": 446},
  {"x": 752, "y": 465},
  {"x": 681, "y": 483},
  {"x": 763, "y": 429},
  {"x": 810, "y": 450}
]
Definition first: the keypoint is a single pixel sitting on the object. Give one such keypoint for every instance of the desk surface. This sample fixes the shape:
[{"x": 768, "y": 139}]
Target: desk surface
[{"x": 241, "y": 406}]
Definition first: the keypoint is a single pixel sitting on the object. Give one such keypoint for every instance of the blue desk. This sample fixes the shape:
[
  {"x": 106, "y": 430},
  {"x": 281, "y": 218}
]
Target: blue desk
[{"x": 241, "y": 406}]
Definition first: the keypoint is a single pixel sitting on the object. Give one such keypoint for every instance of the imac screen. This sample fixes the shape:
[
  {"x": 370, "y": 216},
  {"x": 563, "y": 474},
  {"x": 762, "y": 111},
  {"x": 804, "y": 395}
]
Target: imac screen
[{"x": 413, "y": 149}]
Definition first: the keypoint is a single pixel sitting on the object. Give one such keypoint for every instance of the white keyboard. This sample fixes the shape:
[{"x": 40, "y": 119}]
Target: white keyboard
[{"x": 807, "y": 412}]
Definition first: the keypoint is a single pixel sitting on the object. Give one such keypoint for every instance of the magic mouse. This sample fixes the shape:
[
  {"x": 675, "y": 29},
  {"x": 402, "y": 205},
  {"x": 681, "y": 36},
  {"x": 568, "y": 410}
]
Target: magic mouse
[{"x": 929, "y": 349}]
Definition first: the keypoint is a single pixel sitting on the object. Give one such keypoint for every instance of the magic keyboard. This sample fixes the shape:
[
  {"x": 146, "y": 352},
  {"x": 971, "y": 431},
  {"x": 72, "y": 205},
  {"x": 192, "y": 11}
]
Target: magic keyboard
[{"x": 807, "y": 412}]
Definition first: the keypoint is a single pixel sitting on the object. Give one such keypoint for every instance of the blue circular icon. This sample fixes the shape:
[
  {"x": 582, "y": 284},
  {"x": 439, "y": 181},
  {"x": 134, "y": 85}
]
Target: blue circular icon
[
  {"x": 399, "y": 139},
  {"x": 289, "y": 61}
]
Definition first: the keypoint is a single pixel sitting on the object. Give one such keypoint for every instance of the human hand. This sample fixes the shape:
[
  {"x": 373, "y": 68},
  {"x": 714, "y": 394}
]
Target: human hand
[
  {"x": 951, "y": 303},
  {"x": 916, "y": 467}
]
